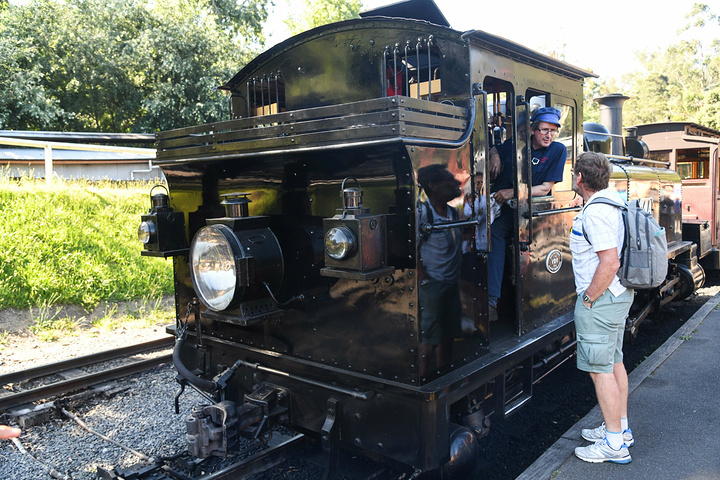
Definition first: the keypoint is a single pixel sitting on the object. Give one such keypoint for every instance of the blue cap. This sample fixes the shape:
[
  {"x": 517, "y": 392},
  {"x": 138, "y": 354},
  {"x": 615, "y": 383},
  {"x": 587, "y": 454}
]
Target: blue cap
[{"x": 547, "y": 114}]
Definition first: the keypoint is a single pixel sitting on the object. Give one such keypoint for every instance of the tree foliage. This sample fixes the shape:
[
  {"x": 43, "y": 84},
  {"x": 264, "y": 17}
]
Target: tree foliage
[
  {"x": 678, "y": 83},
  {"x": 315, "y": 13},
  {"x": 122, "y": 65}
]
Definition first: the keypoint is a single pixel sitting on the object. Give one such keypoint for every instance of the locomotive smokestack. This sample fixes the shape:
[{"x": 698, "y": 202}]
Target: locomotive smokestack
[{"x": 611, "y": 118}]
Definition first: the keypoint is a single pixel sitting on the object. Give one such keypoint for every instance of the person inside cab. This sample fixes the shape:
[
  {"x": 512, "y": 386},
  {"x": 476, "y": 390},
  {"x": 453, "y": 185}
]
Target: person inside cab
[{"x": 548, "y": 161}]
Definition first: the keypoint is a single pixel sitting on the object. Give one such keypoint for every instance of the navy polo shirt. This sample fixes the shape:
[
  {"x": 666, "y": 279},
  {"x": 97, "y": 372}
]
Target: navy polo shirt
[{"x": 548, "y": 165}]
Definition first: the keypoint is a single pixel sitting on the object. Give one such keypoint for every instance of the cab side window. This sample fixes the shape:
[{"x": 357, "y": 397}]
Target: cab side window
[{"x": 566, "y": 135}]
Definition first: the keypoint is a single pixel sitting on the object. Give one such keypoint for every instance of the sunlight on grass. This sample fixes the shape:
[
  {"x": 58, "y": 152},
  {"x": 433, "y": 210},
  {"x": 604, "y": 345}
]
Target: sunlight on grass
[
  {"x": 50, "y": 329},
  {"x": 70, "y": 248},
  {"x": 145, "y": 313},
  {"x": 50, "y": 326},
  {"x": 75, "y": 242}
]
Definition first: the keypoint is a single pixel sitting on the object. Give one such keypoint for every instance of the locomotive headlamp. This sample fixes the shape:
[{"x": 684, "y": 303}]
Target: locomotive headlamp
[
  {"x": 162, "y": 231},
  {"x": 340, "y": 242},
  {"x": 213, "y": 268},
  {"x": 355, "y": 240},
  {"x": 235, "y": 261}
]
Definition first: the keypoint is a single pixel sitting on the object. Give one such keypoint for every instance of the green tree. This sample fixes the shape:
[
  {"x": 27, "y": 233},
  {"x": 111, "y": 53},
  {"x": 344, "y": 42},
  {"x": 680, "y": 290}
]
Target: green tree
[
  {"x": 25, "y": 103},
  {"x": 593, "y": 89},
  {"x": 122, "y": 65},
  {"x": 314, "y": 13},
  {"x": 680, "y": 83}
]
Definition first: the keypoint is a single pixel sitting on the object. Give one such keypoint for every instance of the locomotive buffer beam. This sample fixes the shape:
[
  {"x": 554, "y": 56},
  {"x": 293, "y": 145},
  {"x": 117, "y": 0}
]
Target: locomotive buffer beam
[{"x": 213, "y": 430}]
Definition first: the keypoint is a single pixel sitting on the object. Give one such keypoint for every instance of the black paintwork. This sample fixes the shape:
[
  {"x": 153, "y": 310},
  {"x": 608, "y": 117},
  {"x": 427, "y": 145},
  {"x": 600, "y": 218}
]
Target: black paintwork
[{"x": 356, "y": 342}]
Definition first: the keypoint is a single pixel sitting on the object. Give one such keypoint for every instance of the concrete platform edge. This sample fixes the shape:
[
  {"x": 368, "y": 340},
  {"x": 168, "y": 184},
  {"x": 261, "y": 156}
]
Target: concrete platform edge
[{"x": 561, "y": 450}]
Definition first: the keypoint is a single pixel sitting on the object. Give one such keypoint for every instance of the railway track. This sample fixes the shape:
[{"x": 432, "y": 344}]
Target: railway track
[
  {"x": 123, "y": 418},
  {"x": 69, "y": 378}
]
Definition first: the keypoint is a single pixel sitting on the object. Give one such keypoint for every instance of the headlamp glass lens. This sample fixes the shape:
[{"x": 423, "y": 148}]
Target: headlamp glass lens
[
  {"x": 339, "y": 242},
  {"x": 213, "y": 268},
  {"x": 145, "y": 232}
]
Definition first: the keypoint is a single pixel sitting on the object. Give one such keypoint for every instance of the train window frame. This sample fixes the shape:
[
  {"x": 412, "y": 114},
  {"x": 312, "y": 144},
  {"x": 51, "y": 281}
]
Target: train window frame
[
  {"x": 693, "y": 163},
  {"x": 568, "y": 137},
  {"x": 264, "y": 95},
  {"x": 660, "y": 155},
  {"x": 405, "y": 70},
  {"x": 562, "y": 191}
]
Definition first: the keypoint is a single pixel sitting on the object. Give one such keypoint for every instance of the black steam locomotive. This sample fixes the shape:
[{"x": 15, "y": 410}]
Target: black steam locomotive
[{"x": 294, "y": 231}]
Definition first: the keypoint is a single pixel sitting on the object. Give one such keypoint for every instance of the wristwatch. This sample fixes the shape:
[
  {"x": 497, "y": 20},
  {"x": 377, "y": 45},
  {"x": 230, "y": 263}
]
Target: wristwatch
[{"x": 586, "y": 299}]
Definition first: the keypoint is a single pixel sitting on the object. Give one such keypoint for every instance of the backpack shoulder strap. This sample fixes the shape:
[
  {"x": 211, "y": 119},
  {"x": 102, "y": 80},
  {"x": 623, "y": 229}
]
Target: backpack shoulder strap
[
  {"x": 606, "y": 201},
  {"x": 429, "y": 217},
  {"x": 429, "y": 212}
]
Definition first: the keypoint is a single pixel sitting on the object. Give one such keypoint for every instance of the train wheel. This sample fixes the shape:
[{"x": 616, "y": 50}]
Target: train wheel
[{"x": 688, "y": 281}]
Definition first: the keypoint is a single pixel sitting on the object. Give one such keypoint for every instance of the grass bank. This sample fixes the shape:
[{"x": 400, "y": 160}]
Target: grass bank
[{"x": 75, "y": 243}]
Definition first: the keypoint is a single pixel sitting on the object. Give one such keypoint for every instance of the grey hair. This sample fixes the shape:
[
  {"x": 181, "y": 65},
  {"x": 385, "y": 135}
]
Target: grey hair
[{"x": 595, "y": 170}]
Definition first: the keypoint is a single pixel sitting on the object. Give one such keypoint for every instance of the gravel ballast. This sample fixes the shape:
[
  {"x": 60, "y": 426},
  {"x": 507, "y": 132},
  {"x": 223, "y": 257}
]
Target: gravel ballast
[{"x": 141, "y": 418}]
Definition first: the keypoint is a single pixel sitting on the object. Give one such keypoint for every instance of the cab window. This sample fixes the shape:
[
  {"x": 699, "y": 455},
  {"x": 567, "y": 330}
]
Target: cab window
[{"x": 566, "y": 135}]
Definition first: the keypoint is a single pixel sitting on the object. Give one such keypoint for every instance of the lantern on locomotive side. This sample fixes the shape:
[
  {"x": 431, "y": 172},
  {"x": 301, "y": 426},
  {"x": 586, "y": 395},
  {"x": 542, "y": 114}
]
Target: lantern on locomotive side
[
  {"x": 162, "y": 230},
  {"x": 355, "y": 240}
]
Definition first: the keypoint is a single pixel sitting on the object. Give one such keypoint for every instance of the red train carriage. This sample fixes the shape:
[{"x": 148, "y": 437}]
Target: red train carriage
[{"x": 692, "y": 150}]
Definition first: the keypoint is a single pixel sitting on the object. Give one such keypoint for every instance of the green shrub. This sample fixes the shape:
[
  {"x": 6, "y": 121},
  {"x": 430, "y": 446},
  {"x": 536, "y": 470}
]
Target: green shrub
[{"x": 75, "y": 243}]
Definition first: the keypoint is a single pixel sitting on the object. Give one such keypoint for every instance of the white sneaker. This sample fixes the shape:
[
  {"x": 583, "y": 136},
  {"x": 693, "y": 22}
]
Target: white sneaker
[
  {"x": 601, "y": 451},
  {"x": 597, "y": 434}
]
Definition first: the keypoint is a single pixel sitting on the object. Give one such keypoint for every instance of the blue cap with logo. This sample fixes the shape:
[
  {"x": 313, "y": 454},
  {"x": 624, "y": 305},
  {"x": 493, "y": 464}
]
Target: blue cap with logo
[{"x": 547, "y": 114}]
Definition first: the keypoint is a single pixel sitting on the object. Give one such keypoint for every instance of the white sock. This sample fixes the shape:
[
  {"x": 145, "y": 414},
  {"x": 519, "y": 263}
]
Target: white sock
[
  {"x": 615, "y": 440},
  {"x": 624, "y": 424}
]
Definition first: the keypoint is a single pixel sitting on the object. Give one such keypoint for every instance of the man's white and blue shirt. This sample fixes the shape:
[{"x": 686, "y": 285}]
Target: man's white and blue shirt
[{"x": 604, "y": 228}]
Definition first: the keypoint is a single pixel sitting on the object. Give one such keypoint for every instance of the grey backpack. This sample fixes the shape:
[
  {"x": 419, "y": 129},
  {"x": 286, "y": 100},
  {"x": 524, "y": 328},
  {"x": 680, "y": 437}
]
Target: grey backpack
[{"x": 643, "y": 259}]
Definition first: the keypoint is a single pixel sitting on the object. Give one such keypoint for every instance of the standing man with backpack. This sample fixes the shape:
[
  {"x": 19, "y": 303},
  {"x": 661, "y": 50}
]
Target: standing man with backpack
[{"x": 596, "y": 240}]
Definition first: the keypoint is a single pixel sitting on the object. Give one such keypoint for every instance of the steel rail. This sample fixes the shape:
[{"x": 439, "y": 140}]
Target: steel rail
[
  {"x": 53, "y": 368},
  {"x": 263, "y": 460},
  {"x": 89, "y": 380}
]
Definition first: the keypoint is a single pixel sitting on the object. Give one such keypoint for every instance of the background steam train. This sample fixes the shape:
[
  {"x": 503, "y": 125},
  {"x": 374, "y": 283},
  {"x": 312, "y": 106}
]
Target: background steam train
[{"x": 294, "y": 228}]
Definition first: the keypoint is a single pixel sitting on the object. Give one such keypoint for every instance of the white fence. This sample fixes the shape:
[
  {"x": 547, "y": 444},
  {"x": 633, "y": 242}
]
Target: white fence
[{"x": 111, "y": 162}]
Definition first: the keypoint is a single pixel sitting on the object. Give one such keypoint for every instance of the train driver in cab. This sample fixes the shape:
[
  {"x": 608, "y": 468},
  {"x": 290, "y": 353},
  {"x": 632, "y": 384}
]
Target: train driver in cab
[{"x": 548, "y": 161}]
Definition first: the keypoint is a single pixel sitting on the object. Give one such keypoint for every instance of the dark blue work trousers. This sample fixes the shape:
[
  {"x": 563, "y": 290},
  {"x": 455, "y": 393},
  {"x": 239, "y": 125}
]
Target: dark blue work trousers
[{"x": 500, "y": 235}]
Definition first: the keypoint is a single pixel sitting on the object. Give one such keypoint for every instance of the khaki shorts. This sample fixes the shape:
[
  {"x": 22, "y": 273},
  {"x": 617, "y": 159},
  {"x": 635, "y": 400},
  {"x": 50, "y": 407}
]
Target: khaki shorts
[{"x": 600, "y": 331}]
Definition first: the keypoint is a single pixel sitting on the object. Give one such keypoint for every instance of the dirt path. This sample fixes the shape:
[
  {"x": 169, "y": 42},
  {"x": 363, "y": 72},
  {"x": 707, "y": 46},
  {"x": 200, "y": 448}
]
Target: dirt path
[{"x": 20, "y": 348}]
